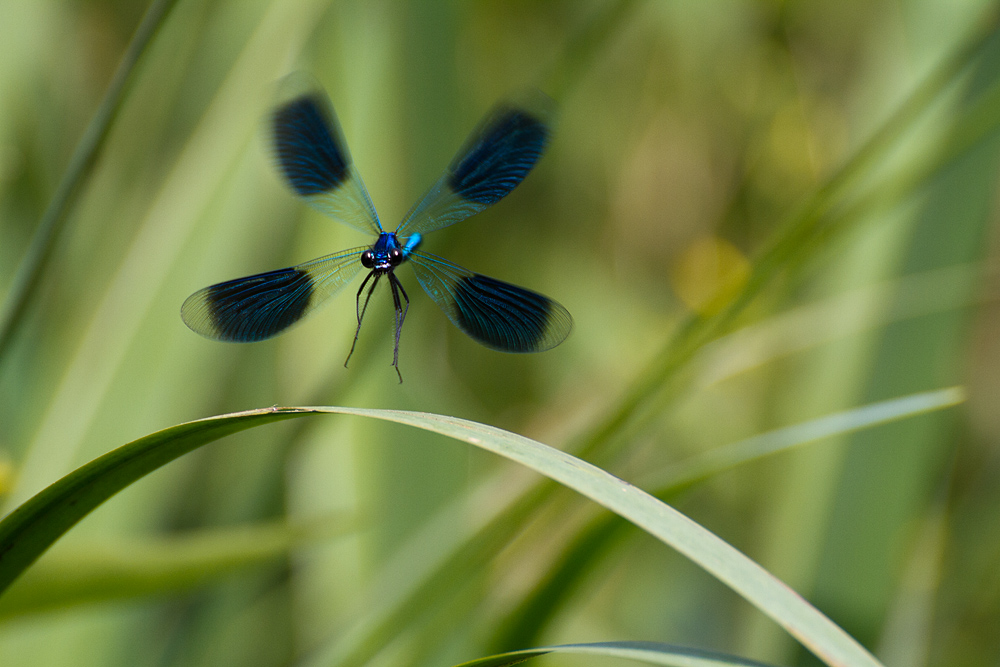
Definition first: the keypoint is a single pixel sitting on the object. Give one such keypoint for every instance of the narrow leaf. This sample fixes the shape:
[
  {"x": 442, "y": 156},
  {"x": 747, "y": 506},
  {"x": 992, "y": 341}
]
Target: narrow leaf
[
  {"x": 77, "y": 174},
  {"x": 651, "y": 652},
  {"x": 34, "y": 526},
  {"x": 839, "y": 423},
  {"x": 595, "y": 540},
  {"x": 30, "y": 529},
  {"x": 136, "y": 568}
]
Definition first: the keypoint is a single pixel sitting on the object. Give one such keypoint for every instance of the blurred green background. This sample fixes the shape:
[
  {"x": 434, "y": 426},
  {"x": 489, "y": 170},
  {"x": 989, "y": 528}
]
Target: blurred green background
[{"x": 690, "y": 137}]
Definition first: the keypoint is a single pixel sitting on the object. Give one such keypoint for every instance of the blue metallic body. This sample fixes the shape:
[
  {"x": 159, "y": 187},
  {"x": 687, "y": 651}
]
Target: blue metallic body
[{"x": 386, "y": 243}]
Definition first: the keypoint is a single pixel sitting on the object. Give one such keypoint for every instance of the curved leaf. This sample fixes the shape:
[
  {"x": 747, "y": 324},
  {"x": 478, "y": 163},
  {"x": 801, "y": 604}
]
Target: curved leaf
[
  {"x": 35, "y": 525},
  {"x": 590, "y": 545},
  {"x": 30, "y": 529},
  {"x": 651, "y": 652}
]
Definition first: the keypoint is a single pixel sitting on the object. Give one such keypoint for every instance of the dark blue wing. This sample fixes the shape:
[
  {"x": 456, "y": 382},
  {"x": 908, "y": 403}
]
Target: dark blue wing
[
  {"x": 494, "y": 159},
  {"x": 311, "y": 153},
  {"x": 499, "y": 315},
  {"x": 250, "y": 309}
]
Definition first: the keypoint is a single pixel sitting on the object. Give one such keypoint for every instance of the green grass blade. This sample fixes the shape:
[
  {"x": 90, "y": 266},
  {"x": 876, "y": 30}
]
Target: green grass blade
[
  {"x": 578, "y": 559},
  {"x": 782, "y": 439},
  {"x": 27, "y": 532},
  {"x": 803, "y": 621},
  {"x": 654, "y": 653},
  {"x": 80, "y": 165},
  {"x": 139, "y": 568},
  {"x": 30, "y": 529}
]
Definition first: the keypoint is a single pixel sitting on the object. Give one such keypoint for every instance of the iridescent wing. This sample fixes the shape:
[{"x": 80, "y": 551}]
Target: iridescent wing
[
  {"x": 495, "y": 158},
  {"x": 311, "y": 153},
  {"x": 249, "y": 309},
  {"x": 496, "y": 314}
]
